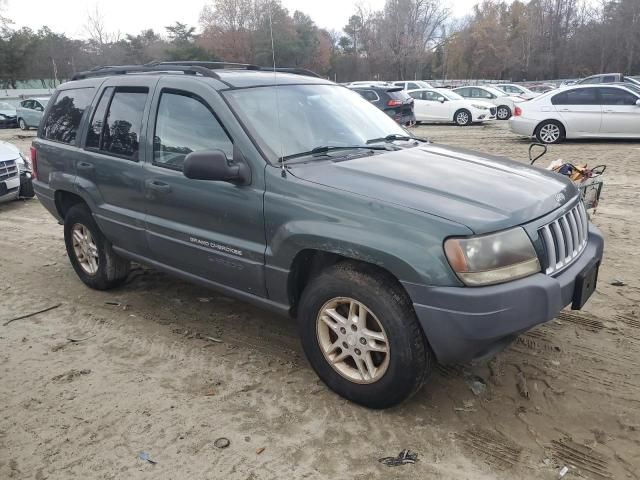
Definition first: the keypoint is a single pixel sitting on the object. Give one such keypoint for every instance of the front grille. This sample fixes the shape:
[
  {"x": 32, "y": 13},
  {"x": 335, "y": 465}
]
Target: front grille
[
  {"x": 8, "y": 169},
  {"x": 493, "y": 111},
  {"x": 564, "y": 239}
]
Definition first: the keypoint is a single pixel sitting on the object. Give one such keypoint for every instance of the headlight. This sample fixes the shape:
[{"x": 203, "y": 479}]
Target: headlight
[
  {"x": 24, "y": 165},
  {"x": 490, "y": 259},
  {"x": 479, "y": 107}
]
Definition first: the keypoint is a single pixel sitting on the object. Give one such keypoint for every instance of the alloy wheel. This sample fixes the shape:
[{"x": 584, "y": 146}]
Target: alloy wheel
[
  {"x": 23, "y": 125},
  {"x": 352, "y": 340},
  {"x": 85, "y": 248},
  {"x": 462, "y": 118},
  {"x": 503, "y": 113},
  {"x": 549, "y": 133}
]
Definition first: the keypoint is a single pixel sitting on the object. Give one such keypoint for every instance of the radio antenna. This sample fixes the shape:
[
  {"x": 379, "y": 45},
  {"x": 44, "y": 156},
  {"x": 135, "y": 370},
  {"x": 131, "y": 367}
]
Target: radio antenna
[{"x": 283, "y": 171}]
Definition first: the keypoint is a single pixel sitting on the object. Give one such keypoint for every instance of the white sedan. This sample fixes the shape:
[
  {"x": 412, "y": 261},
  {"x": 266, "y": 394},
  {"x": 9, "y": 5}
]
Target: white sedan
[
  {"x": 517, "y": 90},
  {"x": 585, "y": 111},
  {"x": 442, "y": 105},
  {"x": 503, "y": 101}
]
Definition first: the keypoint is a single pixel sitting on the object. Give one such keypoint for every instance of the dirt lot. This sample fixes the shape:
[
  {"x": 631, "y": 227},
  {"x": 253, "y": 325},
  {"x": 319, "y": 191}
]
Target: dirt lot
[{"x": 145, "y": 378}]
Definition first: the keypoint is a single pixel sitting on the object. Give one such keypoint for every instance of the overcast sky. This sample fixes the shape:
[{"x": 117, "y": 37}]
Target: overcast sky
[{"x": 132, "y": 16}]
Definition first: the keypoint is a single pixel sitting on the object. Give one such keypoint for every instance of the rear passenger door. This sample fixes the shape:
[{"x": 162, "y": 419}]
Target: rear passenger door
[
  {"x": 620, "y": 114},
  {"x": 208, "y": 229},
  {"x": 110, "y": 169},
  {"x": 580, "y": 110}
]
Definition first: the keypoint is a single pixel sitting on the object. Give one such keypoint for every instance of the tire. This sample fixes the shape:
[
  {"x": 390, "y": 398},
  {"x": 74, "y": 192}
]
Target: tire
[
  {"x": 550, "y": 131},
  {"x": 503, "y": 112},
  {"x": 22, "y": 124},
  {"x": 400, "y": 372},
  {"x": 26, "y": 187},
  {"x": 110, "y": 269},
  {"x": 462, "y": 117}
]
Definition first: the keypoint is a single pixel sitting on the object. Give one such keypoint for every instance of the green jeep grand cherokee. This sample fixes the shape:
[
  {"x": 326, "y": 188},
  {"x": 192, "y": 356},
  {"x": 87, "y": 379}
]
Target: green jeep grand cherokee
[{"x": 294, "y": 193}]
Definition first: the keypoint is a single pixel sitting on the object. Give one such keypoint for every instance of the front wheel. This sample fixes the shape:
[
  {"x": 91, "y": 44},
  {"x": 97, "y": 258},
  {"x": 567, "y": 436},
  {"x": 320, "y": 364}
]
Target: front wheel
[
  {"x": 549, "y": 131},
  {"x": 462, "y": 118},
  {"x": 361, "y": 336},
  {"x": 503, "y": 112},
  {"x": 90, "y": 253},
  {"x": 22, "y": 124}
]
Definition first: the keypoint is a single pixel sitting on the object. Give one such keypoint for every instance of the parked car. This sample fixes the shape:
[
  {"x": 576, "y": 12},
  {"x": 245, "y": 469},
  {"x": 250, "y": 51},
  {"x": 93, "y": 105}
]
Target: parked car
[
  {"x": 542, "y": 88},
  {"x": 443, "y": 105},
  {"x": 412, "y": 85},
  {"x": 504, "y": 102},
  {"x": 15, "y": 174},
  {"x": 295, "y": 194},
  {"x": 7, "y": 115},
  {"x": 29, "y": 112},
  {"x": 391, "y": 100},
  {"x": 517, "y": 90},
  {"x": 584, "y": 111},
  {"x": 608, "y": 78}
]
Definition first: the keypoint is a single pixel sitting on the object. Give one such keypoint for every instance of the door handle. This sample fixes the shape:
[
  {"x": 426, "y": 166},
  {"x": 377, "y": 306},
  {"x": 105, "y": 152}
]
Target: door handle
[
  {"x": 85, "y": 166},
  {"x": 158, "y": 186}
]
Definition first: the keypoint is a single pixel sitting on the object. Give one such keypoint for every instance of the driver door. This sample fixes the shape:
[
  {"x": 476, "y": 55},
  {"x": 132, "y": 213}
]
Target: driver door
[{"x": 208, "y": 229}]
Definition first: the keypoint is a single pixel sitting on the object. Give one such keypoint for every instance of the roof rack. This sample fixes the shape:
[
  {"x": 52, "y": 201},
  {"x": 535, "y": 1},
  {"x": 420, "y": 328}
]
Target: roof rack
[{"x": 204, "y": 68}]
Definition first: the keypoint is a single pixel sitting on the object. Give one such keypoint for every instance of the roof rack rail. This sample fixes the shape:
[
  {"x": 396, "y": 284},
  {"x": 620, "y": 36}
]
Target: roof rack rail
[
  {"x": 204, "y": 68},
  {"x": 124, "y": 69}
]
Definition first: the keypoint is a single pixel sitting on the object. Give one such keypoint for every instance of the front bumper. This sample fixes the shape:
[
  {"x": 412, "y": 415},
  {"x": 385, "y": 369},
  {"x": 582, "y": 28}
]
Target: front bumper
[
  {"x": 464, "y": 323},
  {"x": 478, "y": 115}
]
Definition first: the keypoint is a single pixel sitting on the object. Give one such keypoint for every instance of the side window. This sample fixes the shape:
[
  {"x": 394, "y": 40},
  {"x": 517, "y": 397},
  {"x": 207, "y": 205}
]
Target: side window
[
  {"x": 463, "y": 92},
  {"x": 63, "y": 121},
  {"x": 37, "y": 106},
  {"x": 609, "y": 79},
  {"x": 120, "y": 133},
  {"x": 616, "y": 96},
  {"x": 416, "y": 95},
  {"x": 370, "y": 95},
  {"x": 95, "y": 129},
  {"x": 580, "y": 96},
  {"x": 184, "y": 124},
  {"x": 431, "y": 96},
  {"x": 412, "y": 86},
  {"x": 27, "y": 104}
]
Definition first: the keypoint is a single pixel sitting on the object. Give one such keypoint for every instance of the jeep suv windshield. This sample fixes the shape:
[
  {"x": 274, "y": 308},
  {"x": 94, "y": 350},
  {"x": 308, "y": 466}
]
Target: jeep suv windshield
[{"x": 308, "y": 117}]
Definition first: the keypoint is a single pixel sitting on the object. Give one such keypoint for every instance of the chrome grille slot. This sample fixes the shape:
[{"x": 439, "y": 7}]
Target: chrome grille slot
[
  {"x": 565, "y": 238},
  {"x": 8, "y": 169}
]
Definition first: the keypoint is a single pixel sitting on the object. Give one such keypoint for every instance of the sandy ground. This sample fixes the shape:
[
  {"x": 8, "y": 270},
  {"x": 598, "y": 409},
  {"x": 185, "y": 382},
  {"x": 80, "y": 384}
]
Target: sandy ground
[{"x": 144, "y": 377}]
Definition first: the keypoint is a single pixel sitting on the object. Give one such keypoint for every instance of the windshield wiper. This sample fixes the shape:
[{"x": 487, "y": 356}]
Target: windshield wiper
[
  {"x": 330, "y": 148},
  {"x": 393, "y": 137}
]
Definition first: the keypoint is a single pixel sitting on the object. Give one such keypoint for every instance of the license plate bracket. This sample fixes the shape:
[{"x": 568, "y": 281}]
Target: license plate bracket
[{"x": 585, "y": 285}]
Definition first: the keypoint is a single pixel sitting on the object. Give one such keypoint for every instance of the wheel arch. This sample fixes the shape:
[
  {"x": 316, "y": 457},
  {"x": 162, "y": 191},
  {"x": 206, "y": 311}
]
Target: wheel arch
[{"x": 64, "y": 200}]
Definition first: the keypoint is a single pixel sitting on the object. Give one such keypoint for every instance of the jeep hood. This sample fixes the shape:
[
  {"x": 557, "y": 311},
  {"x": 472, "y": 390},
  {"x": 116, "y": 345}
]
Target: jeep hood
[{"x": 483, "y": 192}]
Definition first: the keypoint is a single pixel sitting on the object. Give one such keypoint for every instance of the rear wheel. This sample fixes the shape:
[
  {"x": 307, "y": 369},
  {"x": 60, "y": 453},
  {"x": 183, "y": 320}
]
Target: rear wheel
[
  {"x": 462, "y": 118},
  {"x": 550, "y": 131},
  {"x": 22, "y": 124},
  {"x": 90, "y": 253},
  {"x": 503, "y": 112},
  {"x": 361, "y": 336}
]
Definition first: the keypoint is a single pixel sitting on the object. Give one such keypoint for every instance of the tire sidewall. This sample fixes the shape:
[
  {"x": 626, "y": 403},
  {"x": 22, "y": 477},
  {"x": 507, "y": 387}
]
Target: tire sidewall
[
  {"x": 22, "y": 124},
  {"x": 399, "y": 380}
]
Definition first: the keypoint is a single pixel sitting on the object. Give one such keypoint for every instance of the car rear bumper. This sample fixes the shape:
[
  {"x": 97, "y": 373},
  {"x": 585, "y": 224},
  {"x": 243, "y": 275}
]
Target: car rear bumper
[
  {"x": 463, "y": 323},
  {"x": 522, "y": 126}
]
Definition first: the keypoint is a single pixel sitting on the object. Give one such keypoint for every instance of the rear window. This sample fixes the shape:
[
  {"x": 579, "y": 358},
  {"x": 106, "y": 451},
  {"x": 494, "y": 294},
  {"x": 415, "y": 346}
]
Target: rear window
[{"x": 63, "y": 120}]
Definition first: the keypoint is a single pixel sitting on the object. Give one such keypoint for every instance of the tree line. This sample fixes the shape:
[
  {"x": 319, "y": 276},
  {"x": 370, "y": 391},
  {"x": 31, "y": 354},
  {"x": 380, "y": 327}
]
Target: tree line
[{"x": 406, "y": 39}]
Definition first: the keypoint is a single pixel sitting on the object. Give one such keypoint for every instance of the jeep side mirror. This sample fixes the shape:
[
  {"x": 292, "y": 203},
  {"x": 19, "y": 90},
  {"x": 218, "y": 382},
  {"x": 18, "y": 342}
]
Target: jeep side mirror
[{"x": 213, "y": 165}]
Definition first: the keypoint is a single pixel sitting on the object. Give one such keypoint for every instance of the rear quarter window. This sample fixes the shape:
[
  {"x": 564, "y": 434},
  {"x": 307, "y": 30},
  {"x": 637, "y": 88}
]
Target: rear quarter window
[{"x": 65, "y": 115}]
